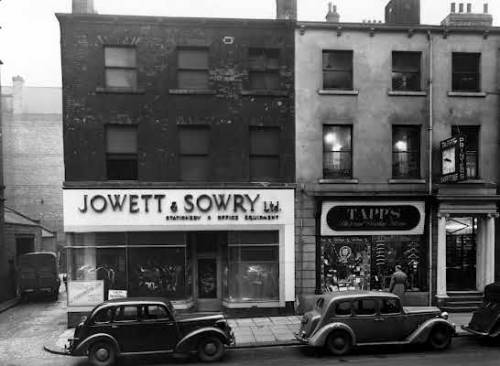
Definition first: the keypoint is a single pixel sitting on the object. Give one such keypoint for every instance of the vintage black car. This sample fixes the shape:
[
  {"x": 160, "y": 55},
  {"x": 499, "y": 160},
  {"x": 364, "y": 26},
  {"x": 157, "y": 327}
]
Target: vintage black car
[
  {"x": 485, "y": 321},
  {"x": 135, "y": 326},
  {"x": 354, "y": 318}
]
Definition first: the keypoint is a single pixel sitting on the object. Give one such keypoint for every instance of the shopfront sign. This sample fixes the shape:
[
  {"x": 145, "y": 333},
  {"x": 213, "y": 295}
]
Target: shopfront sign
[
  {"x": 453, "y": 160},
  {"x": 85, "y": 293},
  {"x": 115, "y": 208},
  {"x": 372, "y": 218}
]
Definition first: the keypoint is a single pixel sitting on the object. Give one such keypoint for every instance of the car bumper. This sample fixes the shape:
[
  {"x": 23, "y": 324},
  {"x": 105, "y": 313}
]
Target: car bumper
[
  {"x": 467, "y": 329},
  {"x": 301, "y": 338}
]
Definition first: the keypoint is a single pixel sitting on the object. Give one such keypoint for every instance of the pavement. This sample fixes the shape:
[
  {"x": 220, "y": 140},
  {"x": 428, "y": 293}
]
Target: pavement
[{"x": 258, "y": 332}]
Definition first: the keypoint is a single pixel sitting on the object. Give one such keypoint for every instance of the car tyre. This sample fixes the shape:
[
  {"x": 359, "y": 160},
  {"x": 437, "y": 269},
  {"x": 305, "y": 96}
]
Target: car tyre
[
  {"x": 210, "y": 349},
  {"x": 440, "y": 337},
  {"x": 102, "y": 354},
  {"x": 339, "y": 342}
]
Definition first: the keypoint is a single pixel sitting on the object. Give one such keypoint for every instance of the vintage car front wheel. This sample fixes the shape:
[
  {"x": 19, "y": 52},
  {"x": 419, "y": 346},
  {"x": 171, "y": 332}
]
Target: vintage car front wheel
[
  {"x": 210, "y": 349},
  {"x": 440, "y": 337},
  {"x": 102, "y": 354},
  {"x": 338, "y": 342}
]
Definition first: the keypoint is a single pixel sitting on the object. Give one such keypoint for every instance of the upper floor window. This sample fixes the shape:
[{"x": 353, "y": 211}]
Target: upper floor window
[
  {"x": 406, "y": 71},
  {"x": 471, "y": 134},
  {"x": 121, "y": 152},
  {"x": 192, "y": 68},
  {"x": 337, "y": 70},
  {"x": 465, "y": 72},
  {"x": 264, "y": 68},
  {"x": 337, "y": 151},
  {"x": 194, "y": 158},
  {"x": 120, "y": 67},
  {"x": 264, "y": 153},
  {"x": 406, "y": 152}
]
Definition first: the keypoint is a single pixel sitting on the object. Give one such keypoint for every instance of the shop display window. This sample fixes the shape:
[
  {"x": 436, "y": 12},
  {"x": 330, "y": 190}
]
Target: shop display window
[
  {"x": 368, "y": 262},
  {"x": 253, "y": 266}
]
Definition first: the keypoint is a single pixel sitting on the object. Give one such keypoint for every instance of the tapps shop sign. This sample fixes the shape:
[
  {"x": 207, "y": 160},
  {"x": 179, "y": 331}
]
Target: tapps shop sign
[
  {"x": 363, "y": 218},
  {"x": 175, "y": 207}
]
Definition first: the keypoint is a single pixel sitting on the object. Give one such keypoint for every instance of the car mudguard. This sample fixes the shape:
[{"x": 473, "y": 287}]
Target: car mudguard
[
  {"x": 189, "y": 342},
  {"x": 83, "y": 346},
  {"x": 421, "y": 334},
  {"x": 318, "y": 339}
]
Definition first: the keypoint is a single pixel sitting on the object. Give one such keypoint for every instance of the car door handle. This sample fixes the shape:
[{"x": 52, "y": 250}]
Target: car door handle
[
  {"x": 114, "y": 326},
  {"x": 379, "y": 319}
]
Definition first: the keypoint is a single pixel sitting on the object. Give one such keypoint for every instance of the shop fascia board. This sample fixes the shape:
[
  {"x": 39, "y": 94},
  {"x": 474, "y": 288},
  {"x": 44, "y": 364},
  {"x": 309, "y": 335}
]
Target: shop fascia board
[{"x": 175, "y": 185}]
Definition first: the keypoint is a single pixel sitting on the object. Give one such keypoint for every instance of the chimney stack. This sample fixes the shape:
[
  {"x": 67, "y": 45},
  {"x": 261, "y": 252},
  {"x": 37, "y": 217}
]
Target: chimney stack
[
  {"x": 468, "y": 18},
  {"x": 332, "y": 16},
  {"x": 83, "y": 7},
  {"x": 17, "y": 94},
  {"x": 453, "y": 7},
  {"x": 402, "y": 12},
  {"x": 286, "y": 9}
]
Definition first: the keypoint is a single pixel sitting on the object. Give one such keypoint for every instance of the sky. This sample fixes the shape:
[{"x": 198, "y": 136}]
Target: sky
[{"x": 29, "y": 34}]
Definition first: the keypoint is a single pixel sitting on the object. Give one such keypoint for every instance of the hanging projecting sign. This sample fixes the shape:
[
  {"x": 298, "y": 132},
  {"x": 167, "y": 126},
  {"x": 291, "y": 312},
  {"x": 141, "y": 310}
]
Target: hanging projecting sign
[
  {"x": 453, "y": 160},
  {"x": 372, "y": 218},
  {"x": 157, "y": 209}
]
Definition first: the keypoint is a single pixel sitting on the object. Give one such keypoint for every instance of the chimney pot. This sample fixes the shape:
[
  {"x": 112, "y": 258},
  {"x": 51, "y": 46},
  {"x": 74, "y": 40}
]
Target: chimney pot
[
  {"x": 83, "y": 7},
  {"x": 461, "y": 7},
  {"x": 286, "y": 9},
  {"x": 485, "y": 8},
  {"x": 469, "y": 7},
  {"x": 453, "y": 7}
]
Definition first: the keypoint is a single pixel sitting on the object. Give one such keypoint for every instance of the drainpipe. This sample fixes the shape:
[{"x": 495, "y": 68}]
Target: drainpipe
[{"x": 430, "y": 129}]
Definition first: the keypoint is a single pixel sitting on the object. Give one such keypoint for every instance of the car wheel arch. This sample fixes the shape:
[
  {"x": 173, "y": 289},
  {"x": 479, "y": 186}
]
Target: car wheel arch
[
  {"x": 320, "y": 337},
  {"x": 422, "y": 333},
  {"x": 190, "y": 341},
  {"x": 84, "y": 347}
]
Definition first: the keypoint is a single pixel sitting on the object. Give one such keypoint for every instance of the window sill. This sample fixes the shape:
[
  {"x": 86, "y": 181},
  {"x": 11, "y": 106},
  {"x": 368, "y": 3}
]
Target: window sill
[
  {"x": 269, "y": 93},
  {"x": 407, "y": 181},
  {"x": 338, "y": 181},
  {"x": 395, "y": 93},
  {"x": 118, "y": 91},
  {"x": 337, "y": 92},
  {"x": 192, "y": 91},
  {"x": 467, "y": 94}
]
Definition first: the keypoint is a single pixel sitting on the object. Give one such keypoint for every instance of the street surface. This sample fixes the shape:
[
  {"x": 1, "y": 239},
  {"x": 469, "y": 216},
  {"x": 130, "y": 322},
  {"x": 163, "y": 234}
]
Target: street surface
[{"x": 25, "y": 328}]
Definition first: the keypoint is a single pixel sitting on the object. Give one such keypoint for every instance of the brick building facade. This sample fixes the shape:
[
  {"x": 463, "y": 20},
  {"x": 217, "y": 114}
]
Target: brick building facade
[{"x": 179, "y": 158}]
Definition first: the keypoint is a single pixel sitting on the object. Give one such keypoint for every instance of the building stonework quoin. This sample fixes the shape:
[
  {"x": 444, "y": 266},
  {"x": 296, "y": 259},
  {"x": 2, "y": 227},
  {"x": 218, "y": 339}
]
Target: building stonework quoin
[
  {"x": 179, "y": 161},
  {"x": 373, "y": 104}
]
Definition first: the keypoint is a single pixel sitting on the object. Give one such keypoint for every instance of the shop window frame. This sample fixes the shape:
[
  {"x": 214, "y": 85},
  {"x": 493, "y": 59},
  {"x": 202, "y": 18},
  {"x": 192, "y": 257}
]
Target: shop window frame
[
  {"x": 471, "y": 62},
  {"x": 330, "y": 172},
  {"x": 414, "y": 156},
  {"x": 346, "y": 69}
]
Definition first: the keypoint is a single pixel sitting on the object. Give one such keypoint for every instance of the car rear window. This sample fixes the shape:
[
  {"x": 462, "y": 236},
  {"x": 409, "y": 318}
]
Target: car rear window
[
  {"x": 390, "y": 306},
  {"x": 126, "y": 313},
  {"x": 365, "y": 307},
  {"x": 343, "y": 308}
]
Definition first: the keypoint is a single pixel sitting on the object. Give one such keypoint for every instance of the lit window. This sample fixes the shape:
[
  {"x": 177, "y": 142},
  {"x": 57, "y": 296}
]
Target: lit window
[
  {"x": 406, "y": 152},
  {"x": 120, "y": 67},
  {"x": 337, "y": 152}
]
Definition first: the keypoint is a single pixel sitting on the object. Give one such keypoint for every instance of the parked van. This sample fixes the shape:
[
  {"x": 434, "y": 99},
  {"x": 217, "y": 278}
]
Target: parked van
[{"x": 38, "y": 273}]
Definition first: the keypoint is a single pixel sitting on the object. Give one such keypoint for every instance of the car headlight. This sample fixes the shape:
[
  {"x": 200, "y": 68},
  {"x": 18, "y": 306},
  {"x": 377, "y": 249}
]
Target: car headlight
[{"x": 444, "y": 315}]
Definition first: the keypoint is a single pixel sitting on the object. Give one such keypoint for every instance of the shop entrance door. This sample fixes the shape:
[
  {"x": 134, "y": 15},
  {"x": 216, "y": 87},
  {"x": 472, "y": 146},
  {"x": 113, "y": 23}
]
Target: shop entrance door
[
  {"x": 461, "y": 254},
  {"x": 207, "y": 289}
]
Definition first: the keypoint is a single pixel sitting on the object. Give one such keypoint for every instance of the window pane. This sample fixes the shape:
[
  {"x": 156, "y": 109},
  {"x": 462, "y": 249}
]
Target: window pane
[
  {"x": 262, "y": 167},
  {"x": 406, "y": 61},
  {"x": 365, "y": 307},
  {"x": 337, "y": 165},
  {"x": 253, "y": 237},
  {"x": 150, "y": 312},
  {"x": 336, "y": 138},
  {"x": 192, "y": 79},
  {"x": 126, "y": 313},
  {"x": 264, "y": 80},
  {"x": 466, "y": 62},
  {"x": 337, "y": 60},
  {"x": 337, "y": 80},
  {"x": 192, "y": 59},
  {"x": 194, "y": 140},
  {"x": 402, "y": 81},
  {"x": 343, "y": 308},
  {"x": 119, "y": 57},
  {"x": 121, "y": 139},
  {"x": 405, "y": 152},
  {"x": 121, "y": 78},
  {"x": 405, "y": 165},
  {"x": 194, "y": 168},
  {"x": 264, "y": 141},
  {"x": 121, "y": 168},
  {"x": 405, "y": 138},
  {"x": 466, "y": 73},
  {"x": 390, "y": 306},
  {"x": 263, "y": 59},
  {"x": 104, "y": 316}
]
